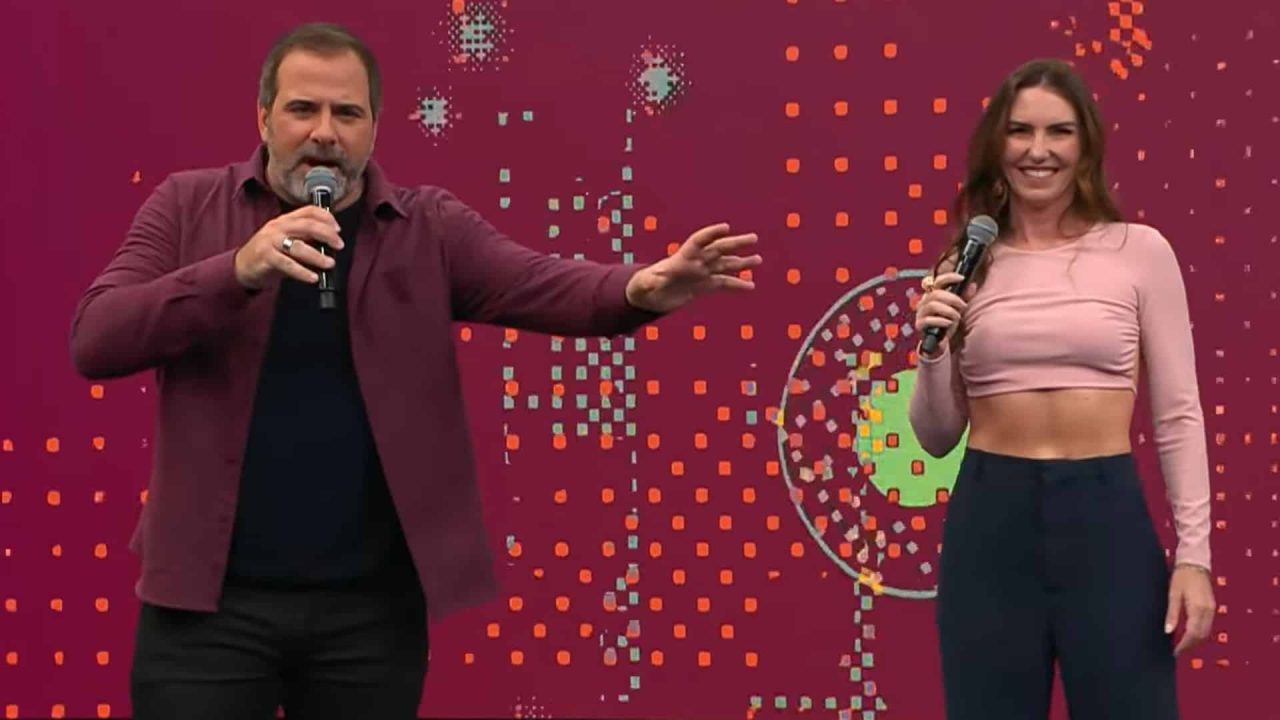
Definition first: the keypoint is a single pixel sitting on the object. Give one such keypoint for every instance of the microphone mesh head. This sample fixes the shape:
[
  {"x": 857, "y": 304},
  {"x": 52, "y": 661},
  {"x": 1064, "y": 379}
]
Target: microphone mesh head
[
  {"x": 320, "y": 178},
  {"x": 982, "y": 229}
]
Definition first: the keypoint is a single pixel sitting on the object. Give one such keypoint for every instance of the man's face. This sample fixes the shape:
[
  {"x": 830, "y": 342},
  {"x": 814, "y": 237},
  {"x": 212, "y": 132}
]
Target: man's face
[{"x": 321, "y": 116}]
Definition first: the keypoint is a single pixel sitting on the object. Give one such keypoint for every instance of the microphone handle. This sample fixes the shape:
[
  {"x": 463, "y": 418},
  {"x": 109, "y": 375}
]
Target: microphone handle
[{"x": 328, "y": 294}]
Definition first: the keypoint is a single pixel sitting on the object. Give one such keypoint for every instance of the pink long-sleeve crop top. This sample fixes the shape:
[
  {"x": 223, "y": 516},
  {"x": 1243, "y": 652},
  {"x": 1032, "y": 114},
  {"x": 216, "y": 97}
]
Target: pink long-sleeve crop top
[{"x": 1081, "y": 316}]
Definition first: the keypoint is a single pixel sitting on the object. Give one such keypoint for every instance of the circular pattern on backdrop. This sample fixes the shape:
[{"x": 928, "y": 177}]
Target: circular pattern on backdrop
[{"x": 870, "y": 496}]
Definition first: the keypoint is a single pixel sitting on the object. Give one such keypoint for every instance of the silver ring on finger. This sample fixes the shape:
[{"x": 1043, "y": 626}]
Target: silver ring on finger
[{"x": 286, "y": 244}]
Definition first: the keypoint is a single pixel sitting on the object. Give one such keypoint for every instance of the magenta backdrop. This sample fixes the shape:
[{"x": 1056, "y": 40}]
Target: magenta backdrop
[{"x": 654, "y": 561}]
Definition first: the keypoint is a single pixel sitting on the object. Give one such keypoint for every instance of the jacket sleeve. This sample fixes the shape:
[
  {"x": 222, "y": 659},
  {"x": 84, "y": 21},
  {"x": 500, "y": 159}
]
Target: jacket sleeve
[
  {"x": 144, "y": 309},
  {"x": 495, "y": 280}
]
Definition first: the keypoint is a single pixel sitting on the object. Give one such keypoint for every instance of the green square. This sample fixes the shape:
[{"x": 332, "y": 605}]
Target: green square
[
  {"x": 504, "y": 202},
  {"x": 553, "y": 231},
  {"x": 556, "y": 402},
  {"x": 502, "y": 119},
  {"x": 508, "y": 372},
  {"x": 579, "y": 202},
  {"x": 553, "y": 204},
  {"x": 533, "y": 402},
  {"x": 628, "y": 202},
  {"x": 752, "y": 417},
  {"x": 557, "y": 428},
  {"x": 508, "y": 403},
  {"x": 557, "y": 372},
  {"x": 593, "y": 415},
  {"x": 580, "y": 372},
  {"x": 528, "y": 116},
  {"x": 504, "y": 175},
  {"x": 626, "y": 173},
  {"x": 582, "y": 429},
  {"x": 581, "y": 401}
]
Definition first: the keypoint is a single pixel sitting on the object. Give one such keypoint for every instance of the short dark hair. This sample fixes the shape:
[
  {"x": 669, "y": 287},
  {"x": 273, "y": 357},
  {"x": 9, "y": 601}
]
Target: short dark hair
[{"x": 324, "y": 39}]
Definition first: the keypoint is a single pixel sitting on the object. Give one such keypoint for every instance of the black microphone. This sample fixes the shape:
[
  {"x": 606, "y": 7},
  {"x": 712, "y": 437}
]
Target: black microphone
[
  {"x": 979, "y": 233},
  {"x": 320, "y": 183}
]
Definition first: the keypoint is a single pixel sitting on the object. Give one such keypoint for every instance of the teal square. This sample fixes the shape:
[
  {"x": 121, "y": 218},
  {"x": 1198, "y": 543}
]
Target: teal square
[
  {"x": 502, "y": 119},
  {"x": 581, "y": 401},
  {"x": 557, "y": 428},
  {"x": 557, "y": 372},
  {"x": 626, "y": 173},
  {"x": 528, "y": 116},
  {"x": 582, "y": 429},
  {"x": 553, "y": 204},
  {"x": 553, "y": 231},
  {"x": 533, "y": 402},
  {"x": 580, "y": 372},
  {"x": 628, "y": 202},
  {"x": 504, "y": 202},
  {"x": 752, "y": 417},
  {"x": 579, "y": 202},
  {"x": 556, "y": 402},
  {"x": 593, "y": 415},
  {"x": 504, "y": 175}
]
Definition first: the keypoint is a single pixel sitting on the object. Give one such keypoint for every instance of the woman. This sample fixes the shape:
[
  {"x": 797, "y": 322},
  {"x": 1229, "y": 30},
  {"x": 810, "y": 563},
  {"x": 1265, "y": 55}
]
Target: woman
[{"x": 1049, "y": 554}]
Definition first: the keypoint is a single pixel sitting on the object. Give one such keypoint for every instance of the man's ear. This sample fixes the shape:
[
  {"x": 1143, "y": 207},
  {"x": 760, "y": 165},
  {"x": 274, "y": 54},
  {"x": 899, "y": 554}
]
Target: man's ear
[{"x": 262, "y": 122}]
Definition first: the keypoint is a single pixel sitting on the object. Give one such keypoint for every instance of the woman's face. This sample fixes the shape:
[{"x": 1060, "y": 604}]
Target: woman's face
[{"x": 1041, "y": 150}]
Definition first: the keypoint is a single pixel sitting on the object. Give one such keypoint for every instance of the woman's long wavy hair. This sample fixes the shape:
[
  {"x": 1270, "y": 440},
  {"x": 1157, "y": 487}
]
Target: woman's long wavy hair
[{"x": 986, "y": 190}]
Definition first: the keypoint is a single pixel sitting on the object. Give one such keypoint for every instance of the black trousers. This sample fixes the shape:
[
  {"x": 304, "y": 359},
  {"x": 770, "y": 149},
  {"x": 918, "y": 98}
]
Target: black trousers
[
  {"x": 320, "y": 653},
  {"x": 1048, "y": 561}
]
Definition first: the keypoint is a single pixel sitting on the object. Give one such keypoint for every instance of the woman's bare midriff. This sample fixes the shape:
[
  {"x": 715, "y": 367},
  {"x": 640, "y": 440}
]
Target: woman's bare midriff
[{"x": 1068, "y": 424}]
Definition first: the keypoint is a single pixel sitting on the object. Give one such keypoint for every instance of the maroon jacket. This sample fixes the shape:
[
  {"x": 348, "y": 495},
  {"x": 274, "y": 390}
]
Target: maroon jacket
[{"x": 169, "y": 300}]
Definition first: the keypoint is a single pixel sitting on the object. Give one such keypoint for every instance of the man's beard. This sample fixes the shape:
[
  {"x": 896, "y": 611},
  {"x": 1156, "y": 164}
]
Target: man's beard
[{"x": 293, "y": 172}]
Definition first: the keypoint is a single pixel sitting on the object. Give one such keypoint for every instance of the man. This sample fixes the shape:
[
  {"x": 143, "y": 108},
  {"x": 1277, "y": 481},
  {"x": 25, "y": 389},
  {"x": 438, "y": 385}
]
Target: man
[{"x": 313, "y": 495}]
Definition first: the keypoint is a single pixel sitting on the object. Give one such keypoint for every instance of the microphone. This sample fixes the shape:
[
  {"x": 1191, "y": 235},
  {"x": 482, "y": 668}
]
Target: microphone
[
  {"x": 980, "y": 231},
  {"x": 320, "y": 183}
]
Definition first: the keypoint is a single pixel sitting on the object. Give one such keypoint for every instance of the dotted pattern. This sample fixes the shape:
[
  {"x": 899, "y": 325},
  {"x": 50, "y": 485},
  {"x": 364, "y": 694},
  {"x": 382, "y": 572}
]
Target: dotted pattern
[{"x": 478, "y": 35}]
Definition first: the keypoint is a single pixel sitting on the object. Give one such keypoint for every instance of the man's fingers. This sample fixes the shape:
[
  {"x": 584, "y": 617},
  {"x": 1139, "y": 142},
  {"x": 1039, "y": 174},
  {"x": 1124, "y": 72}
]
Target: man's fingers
[
  {"x": 730, "y": 245},
  {"x": 735, "y": 263},
  {"x": 288, "y": 266},
  {"x": 709, "y": 234},
  {"x": 310, "y": 229},
  {"x": 729, "y": 282}
]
